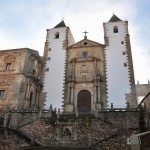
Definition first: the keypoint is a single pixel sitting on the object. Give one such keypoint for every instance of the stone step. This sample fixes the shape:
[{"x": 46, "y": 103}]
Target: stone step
[{"x": 53, "y": 148}]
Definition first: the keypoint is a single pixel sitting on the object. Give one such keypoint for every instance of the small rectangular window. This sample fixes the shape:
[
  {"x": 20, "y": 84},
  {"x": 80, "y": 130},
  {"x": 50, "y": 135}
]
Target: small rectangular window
[
  {"x": 2, "y": 94},
  {"x": 123, "y": 53},
  {"x": 8, "y": 66},
  {"x": 48, "y": 58},
  {"x": 122, "y": 42},
  {"x": 47, "y": 69},
  {"x": 84, "y": 55},
  {"x": 125, "y": 64}
]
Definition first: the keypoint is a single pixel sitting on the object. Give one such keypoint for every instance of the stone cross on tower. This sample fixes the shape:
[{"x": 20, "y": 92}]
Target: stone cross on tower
[{"x": 85, "y": 32}]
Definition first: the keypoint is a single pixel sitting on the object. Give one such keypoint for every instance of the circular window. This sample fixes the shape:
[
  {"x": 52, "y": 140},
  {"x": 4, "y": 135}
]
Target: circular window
[{"x": 85, "y": 43}]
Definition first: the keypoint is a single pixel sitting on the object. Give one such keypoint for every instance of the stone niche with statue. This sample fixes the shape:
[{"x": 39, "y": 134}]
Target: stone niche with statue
[{"x": 65, "y": 132}]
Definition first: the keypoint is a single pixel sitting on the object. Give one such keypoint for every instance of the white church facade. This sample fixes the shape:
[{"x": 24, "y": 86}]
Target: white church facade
[{"x": 87, "y": 75}]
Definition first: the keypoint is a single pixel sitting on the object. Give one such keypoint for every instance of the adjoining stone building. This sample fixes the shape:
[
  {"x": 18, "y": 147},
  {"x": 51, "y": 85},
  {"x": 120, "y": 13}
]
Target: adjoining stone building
[
  {"x": 145, "y": 102},
  {"x": 143, "y": 95},
  {"x": 142, "y": 90},
  {"x": 20, "y": 79}
]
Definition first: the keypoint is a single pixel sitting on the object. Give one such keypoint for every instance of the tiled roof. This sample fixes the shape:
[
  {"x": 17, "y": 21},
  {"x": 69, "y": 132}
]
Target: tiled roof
[
  {"x": 114, "y": 18},
  {"x": 61, "y": 24}
]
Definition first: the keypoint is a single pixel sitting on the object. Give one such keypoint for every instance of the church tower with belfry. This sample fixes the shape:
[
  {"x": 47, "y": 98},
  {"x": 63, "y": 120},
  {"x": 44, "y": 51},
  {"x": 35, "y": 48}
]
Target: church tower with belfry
[
  {"x": 119, "y": 64},
  {"x": 85, "y": 82},
  {"x": 58, "y": 40}
]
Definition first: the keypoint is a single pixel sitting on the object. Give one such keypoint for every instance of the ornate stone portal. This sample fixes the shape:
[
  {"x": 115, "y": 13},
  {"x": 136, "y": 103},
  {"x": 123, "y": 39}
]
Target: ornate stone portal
[{"x": 85, "y": 83}]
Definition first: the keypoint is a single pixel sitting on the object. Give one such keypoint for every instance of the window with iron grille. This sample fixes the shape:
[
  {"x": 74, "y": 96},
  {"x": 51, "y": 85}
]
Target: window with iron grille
[
  {"x": 84, "y": 55},
  {"x": 2, "y": 94},
  {"x": 8, "y": 66}
]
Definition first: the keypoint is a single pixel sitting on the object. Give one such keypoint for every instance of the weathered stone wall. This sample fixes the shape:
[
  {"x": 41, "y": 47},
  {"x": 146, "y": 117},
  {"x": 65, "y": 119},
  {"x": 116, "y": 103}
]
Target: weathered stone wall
[
  {"x": 123, "y": 119},
  {"x": 11, "y": 141},
  {"x": 40, "y": 132},
  {"x": 19, "y": 119}
]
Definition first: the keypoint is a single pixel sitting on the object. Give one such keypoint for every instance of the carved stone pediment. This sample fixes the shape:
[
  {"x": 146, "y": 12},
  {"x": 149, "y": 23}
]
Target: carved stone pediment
[
  {"x": 85, "y": 43},
  {"x": 9, "y": 58},
  {"x": 3, "y": 83}
]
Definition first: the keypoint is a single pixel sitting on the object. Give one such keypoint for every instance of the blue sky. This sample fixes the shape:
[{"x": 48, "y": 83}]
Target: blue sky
[{"x": 23, "y": 23}]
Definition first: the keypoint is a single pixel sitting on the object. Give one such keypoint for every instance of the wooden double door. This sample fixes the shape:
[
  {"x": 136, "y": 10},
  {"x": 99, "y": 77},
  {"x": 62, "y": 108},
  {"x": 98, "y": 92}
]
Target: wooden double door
[{"x": 84, "y": 101}]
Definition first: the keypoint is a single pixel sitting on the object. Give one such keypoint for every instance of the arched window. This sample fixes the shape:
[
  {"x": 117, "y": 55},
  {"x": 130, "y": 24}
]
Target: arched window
[
  {"x": 115, "y": 29},
  {"x": 57, "y": 35}
]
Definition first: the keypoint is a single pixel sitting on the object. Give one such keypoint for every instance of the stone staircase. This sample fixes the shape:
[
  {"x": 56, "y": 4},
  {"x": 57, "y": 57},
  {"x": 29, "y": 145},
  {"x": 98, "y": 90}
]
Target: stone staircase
[{"x": 54, "y": 148}]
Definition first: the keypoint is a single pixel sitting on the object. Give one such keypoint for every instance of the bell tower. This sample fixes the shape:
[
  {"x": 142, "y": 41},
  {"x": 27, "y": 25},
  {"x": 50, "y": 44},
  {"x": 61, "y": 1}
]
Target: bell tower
[
  {"x": 119, "y": 64},
  {"x": 58, "y": 40}
]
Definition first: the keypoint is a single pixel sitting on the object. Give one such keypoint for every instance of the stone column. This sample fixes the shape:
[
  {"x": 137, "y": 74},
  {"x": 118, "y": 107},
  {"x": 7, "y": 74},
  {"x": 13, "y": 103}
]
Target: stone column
[
  {"x": 73, "y": 70},
  {"x": 77, "y": 112},
  {"x": 58, "y": 131},
  {"x": 94, "y": 94},
  {"x": 28, "y": 90},
  {"x": 99, "y": 96},
  {"x": 50, "y": 111},
  {"x": 40, "y": 112},
  {"x": 58, "y": 114},
  {"x": 68, "y": 96},
  {"x": 112, "y": 106},
  {"x": 72, "y": 95}
]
